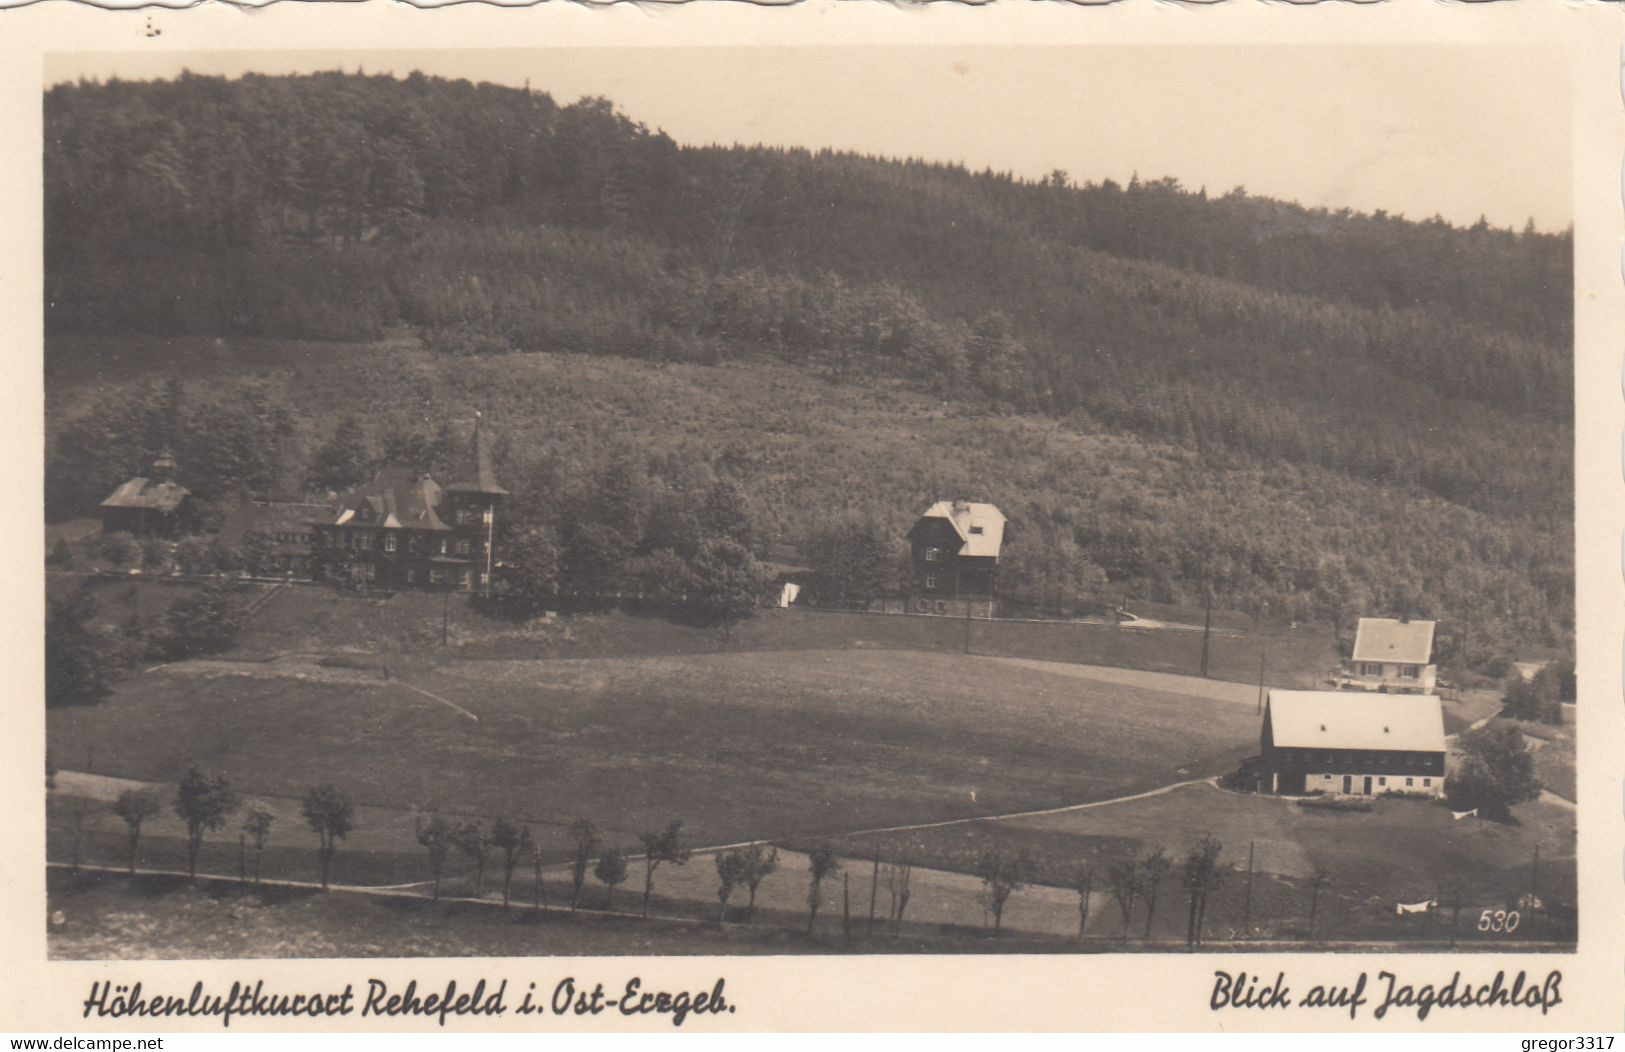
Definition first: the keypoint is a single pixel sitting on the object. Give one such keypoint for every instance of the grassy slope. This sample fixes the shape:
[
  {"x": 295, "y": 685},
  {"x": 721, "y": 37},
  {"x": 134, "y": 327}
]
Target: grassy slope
[{"x": 738, "y": 745}]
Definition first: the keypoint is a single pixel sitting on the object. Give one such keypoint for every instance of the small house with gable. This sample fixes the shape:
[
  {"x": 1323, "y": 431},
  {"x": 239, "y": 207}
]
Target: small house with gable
[
  {"x": 153, "y": 505},
  {"x": 954, "y": 558},
  {"x": 1324, "y": 741},
  {"x": 1392, "y": 657}
]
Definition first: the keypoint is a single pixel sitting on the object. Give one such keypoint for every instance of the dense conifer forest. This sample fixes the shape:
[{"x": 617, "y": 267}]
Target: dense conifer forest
[{"x": 1413, "y": 378}]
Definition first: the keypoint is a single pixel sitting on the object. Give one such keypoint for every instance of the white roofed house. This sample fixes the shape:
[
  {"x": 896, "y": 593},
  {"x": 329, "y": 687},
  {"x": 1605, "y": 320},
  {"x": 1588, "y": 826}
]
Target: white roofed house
[
  {"x": 954, "y": 562},
  {"x": 1324, "y": 741},
  {"x": 1391, "y": 656}
]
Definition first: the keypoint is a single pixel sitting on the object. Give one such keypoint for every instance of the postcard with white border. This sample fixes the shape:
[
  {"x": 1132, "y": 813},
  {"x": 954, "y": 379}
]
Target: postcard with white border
[{"x": 721, "y": 517}]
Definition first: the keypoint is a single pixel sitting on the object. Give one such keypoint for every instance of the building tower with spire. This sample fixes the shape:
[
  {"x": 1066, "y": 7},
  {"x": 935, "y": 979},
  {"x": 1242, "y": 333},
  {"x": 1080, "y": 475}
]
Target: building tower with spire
[
  {"x": 474, "y": 499},
  {"x": 407, "y": 530}
]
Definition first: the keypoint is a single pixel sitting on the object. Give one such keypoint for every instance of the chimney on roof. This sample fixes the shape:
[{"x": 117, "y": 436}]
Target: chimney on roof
[
  {"x": 164, "y": 468},
  {"x": 960, "y": 507}
]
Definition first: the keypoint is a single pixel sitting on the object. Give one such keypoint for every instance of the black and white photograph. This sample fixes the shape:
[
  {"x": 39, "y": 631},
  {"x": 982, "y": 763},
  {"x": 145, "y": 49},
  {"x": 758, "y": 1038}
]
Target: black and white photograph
[{"x": 974, "y": 500}]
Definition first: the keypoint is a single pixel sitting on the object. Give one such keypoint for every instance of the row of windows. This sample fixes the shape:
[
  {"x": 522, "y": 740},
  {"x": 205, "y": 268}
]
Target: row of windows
[
  {"x": 1409, "y": 759},
  {"x": 292, "y": 538},
  {"x": 1368, "y": 668},
  {"x": 1410, "y": 783},
  {"x": 1415, "y": 760},
  {"x": 440, "y": 546},
  {"x": 463, "y": 578}
]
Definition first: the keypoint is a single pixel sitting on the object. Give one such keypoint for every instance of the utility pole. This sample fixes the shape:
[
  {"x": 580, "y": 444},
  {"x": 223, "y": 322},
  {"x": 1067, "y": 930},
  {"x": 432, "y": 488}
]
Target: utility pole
[
  {"x": 490, "y": 536},
  {"x": 846, "y": 907},
  {"x": 1534, "y": 882},
  {"x": 874, "y": 888},
  {"x": 445, "y": 619},
  {"x": 1207, "y": 629},
  {"x": 967, "y": 626},
  {"x": 1247, "y": 907}
]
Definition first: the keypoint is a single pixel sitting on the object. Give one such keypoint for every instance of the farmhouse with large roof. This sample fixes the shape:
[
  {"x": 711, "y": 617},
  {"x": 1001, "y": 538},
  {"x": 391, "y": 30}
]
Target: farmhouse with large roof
[{"x": 1326, "y": 741}]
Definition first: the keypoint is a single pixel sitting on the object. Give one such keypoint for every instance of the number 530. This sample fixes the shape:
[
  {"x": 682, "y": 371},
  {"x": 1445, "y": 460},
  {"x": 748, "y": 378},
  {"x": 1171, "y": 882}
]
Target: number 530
[{"x": 1498, "y": 920}]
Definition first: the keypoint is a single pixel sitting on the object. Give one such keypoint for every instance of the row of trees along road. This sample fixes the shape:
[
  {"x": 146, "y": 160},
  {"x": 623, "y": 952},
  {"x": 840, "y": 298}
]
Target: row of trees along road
[{"x": 205, "y": 801}]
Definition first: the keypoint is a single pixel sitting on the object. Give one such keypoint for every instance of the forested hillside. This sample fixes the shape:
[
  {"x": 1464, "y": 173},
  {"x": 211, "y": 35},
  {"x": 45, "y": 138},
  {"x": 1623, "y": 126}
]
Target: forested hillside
[{"x": 1394, "y": 366}]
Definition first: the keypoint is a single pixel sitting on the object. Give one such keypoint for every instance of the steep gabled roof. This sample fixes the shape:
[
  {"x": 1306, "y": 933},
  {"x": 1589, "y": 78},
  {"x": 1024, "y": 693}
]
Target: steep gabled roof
[
  {"x": 145, "y": 493},
  {"x": 474, "y": 475},
  {"x": 396, "y": 499},
  {"x": 980, "y": 526},
  {"x": 1384, "y": 639},
  {"x": 1330, "y": 719}
]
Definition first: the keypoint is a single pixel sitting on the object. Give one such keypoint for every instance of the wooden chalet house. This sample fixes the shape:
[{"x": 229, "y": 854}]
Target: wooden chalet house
[
  {"x": 1391, "y": 657},
  {"x": 1325, "y": 741},
  {"x": 954, "y": 559},
  {"x": 406, "y": 530},
  {"x": 149, "y": 506}
]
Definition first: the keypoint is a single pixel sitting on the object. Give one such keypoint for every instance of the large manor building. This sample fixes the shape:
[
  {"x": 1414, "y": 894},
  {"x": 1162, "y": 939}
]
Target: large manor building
[{"x": 408, "y": 530}]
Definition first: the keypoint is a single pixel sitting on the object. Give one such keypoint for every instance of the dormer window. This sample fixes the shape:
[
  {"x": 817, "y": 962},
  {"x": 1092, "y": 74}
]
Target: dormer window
[{"x": 976, "y": 529}]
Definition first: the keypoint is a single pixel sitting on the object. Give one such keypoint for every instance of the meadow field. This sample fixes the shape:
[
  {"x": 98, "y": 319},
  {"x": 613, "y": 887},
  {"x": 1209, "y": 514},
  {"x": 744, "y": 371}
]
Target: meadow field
[
  {"x": 744, "y": 745},
  {"x": 797, "y": 727}
]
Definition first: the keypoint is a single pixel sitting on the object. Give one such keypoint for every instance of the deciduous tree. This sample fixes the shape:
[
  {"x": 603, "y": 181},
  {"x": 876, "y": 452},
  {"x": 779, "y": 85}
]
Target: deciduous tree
[
  {"x": 330, "y": 814},
  {"x": 1003, "y": 874},
  {"x": 761, "y": 861},
  {"x": 1154, "y": 869},
  {"x": 585, "y": 836},
  {"x": 474, "y": 842},
  {"x": 731, "y": 869},
  {"x": 1200, "y": 875},
  {"x": 1083, "y": 879},
  {"x": 257, "y": 825},
  {"x": 204, "y": 622},
  {"x": 437, "y": 835},
  {"x": 513, "y": 841},
  {"x": 1496, "y": 772},
  {"x": 203, "y": 800},
  {"x": 1127, "y": 880},
  {"x": 611, "y": 872},
  {"x": 79, "y": 665},
  {"x": 822, "y": 863},
  {"x": 662, "y": 845},
  {"x": 135, "y": 806}
]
